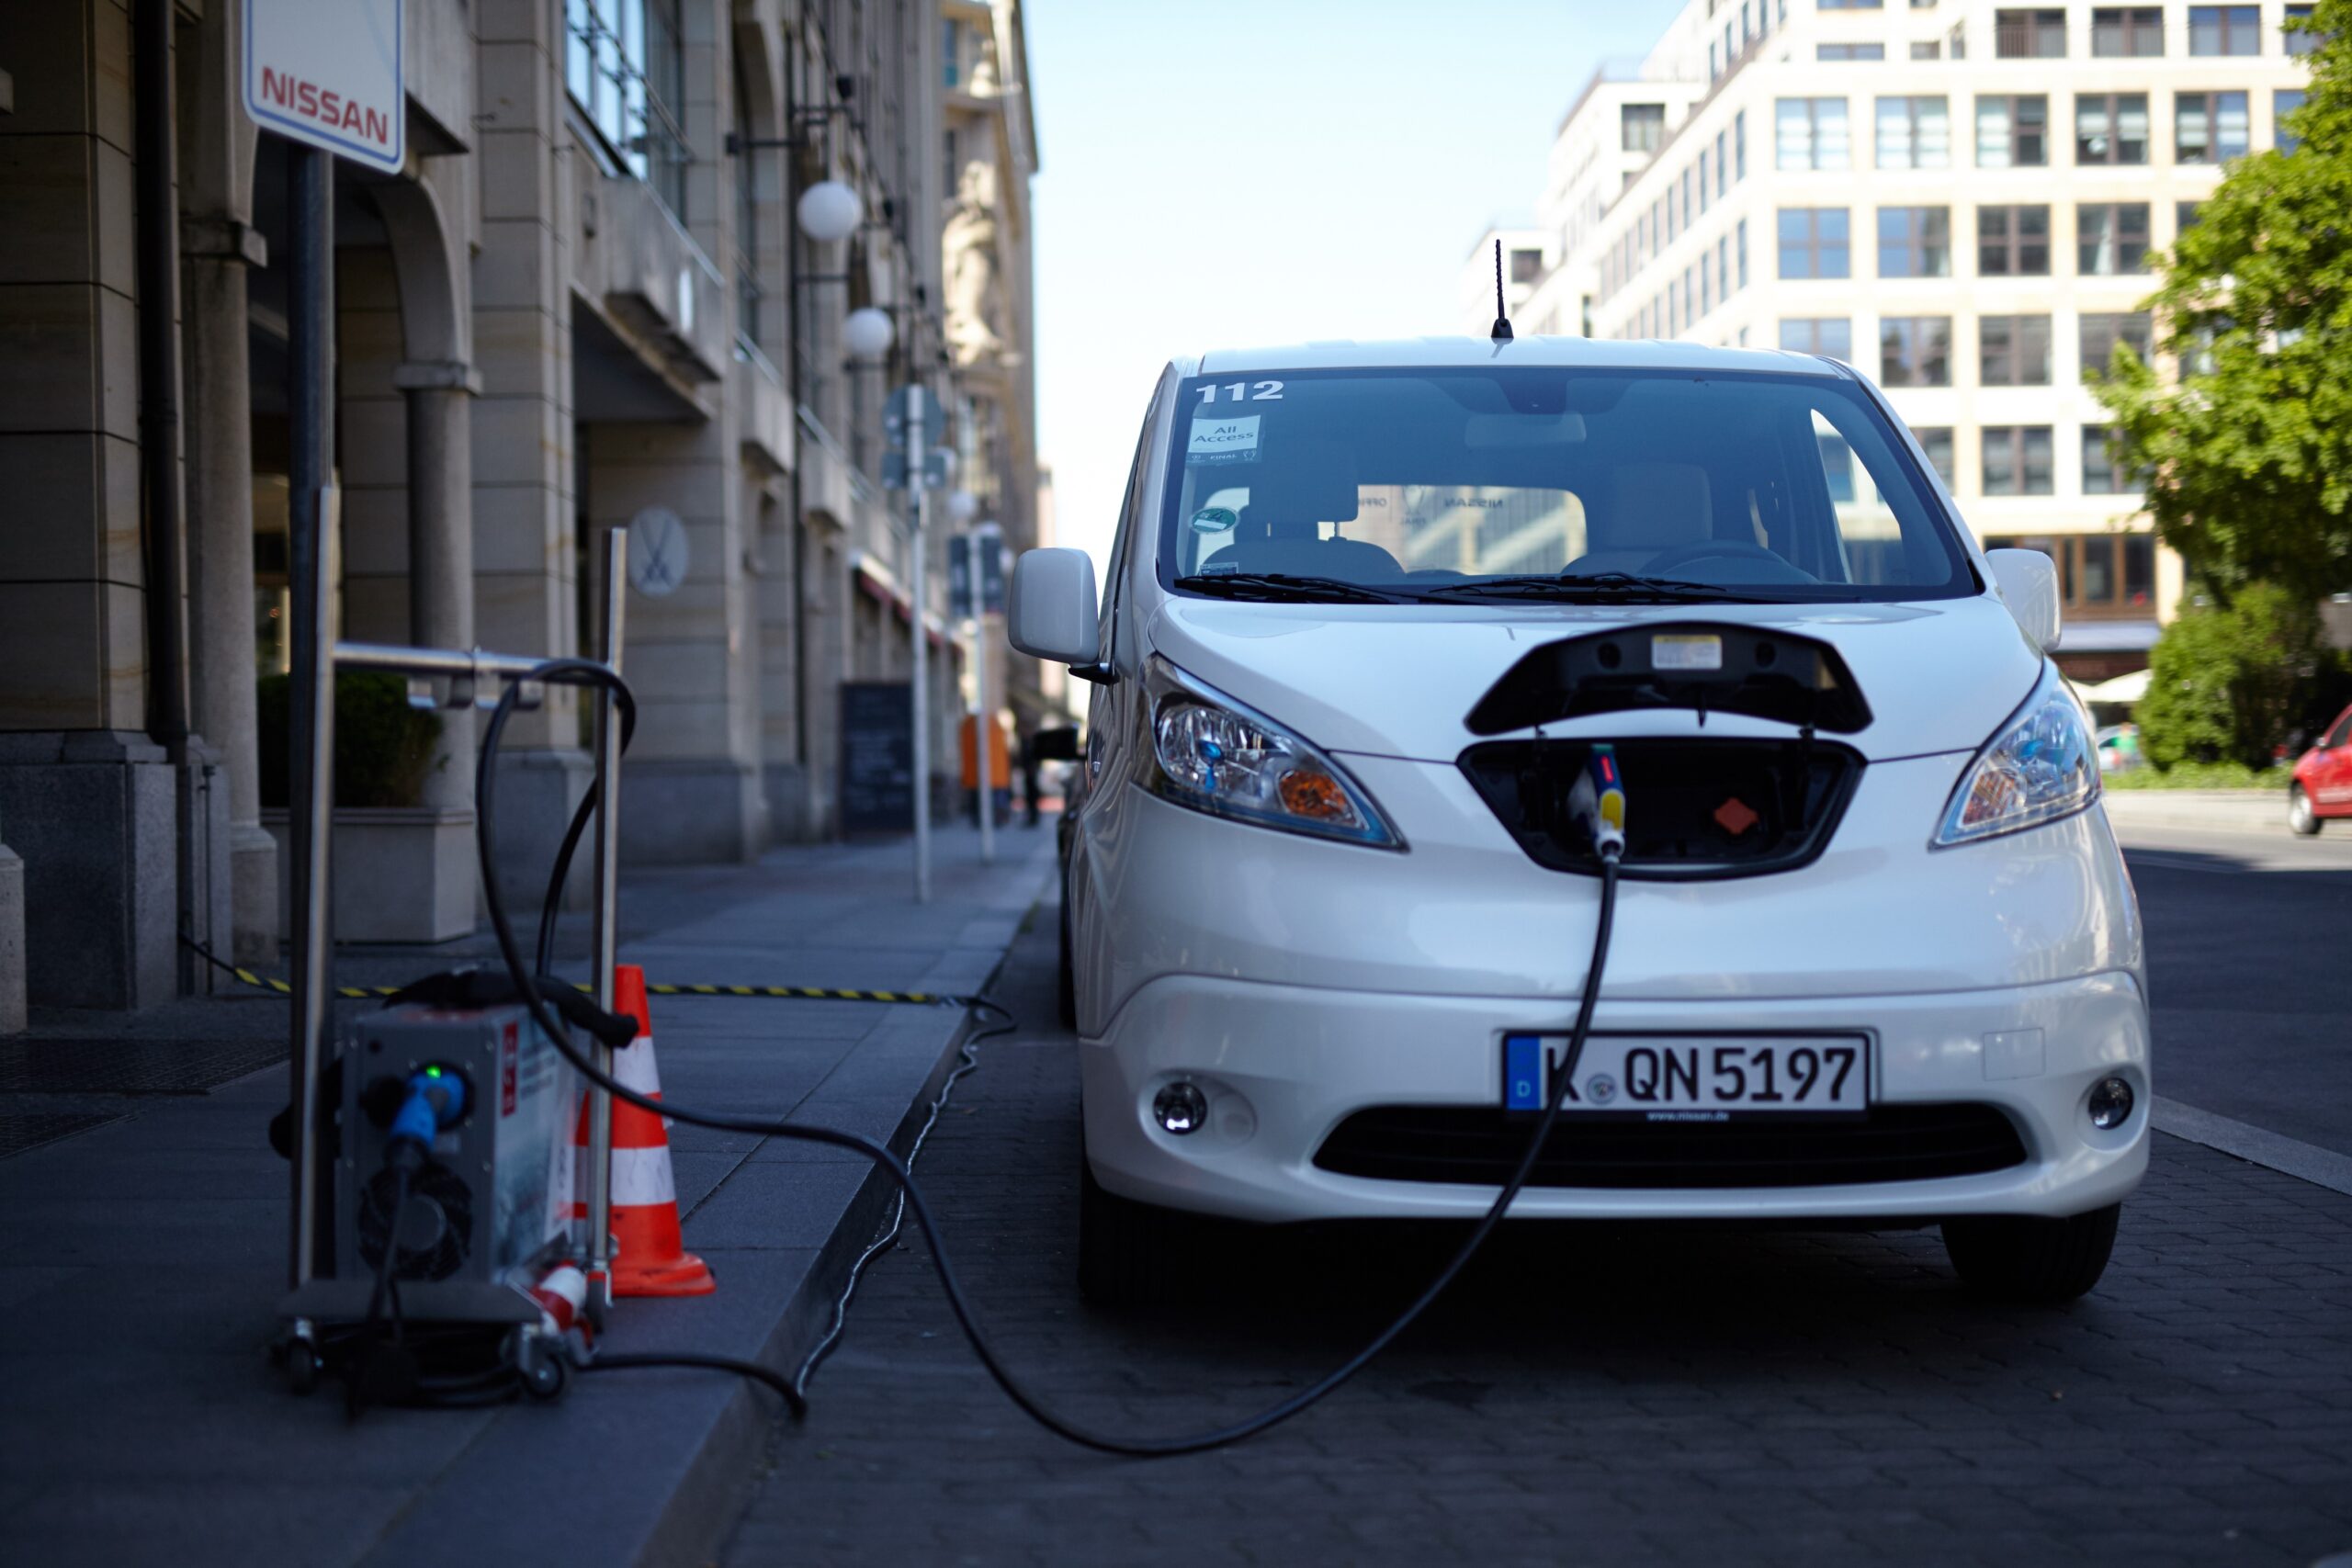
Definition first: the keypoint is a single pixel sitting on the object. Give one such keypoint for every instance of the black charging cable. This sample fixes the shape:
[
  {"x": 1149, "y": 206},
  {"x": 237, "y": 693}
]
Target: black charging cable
[{"x": 587, "y": 671}]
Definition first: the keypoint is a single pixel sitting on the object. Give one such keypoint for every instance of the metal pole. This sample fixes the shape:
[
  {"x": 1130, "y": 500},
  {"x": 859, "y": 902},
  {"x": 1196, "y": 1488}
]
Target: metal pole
[
  {"x": 607, "y": 924},
  {"x": 917, "y": 452},
  {"x": 984, "y": 720},
  {"x": 311, "y": 557}
]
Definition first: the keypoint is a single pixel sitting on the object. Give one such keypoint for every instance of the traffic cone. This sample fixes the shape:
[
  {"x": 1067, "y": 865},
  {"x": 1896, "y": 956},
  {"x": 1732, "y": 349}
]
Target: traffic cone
[{"x": 650, "y": 1256}]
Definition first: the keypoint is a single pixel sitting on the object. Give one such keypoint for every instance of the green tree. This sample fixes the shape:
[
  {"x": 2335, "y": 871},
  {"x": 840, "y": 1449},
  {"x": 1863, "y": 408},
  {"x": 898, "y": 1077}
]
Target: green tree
[
  {"x": 2232, "y": 683},
  {"x": 2249, "y": 452}
]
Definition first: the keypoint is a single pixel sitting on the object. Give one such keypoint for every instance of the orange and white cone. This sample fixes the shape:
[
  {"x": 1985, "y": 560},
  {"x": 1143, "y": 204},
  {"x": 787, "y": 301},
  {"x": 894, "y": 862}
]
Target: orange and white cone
[{"x": 650, "y": 1256}]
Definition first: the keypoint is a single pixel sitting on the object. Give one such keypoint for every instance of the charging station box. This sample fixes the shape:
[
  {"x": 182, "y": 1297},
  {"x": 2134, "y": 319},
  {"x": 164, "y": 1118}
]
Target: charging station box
[{"x": 493, "y": 1206}]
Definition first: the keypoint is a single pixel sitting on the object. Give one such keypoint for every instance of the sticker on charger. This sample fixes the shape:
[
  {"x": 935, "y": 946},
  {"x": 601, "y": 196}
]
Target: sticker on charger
[
  {"x": 1224, "y": 440},
  {"x": 1686, "y": 650}
]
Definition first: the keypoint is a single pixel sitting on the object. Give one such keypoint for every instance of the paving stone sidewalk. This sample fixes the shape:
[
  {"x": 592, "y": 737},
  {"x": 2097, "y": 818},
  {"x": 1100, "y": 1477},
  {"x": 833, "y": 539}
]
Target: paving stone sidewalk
[{"x": 143, "y": 1246}]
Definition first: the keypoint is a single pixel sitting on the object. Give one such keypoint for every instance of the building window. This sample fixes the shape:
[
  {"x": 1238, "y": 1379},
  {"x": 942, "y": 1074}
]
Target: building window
[
  {"x": 1832, "y": 337},
  {"x": 623, "y": 62},
  {"x": 2099, "y": 575},
  {"x": 951, "y": 55},
  {"x": 1849, "y": 52},
  {"x": 1642, "y": 126},
  {"x": 1722, "y": 267},
  {"x": 1936, "y": 441},
  {"x": 2209, "y": 128},
  {"x": 1915, "y": 133},
  {"x": 2013, "y": 350},
  {"x": 2300, "y": 40},
  {"x": 1742, "y": 252},
  {"x": 1815, "y": 243},
  {"x": 2132, "y": 31},
  {"x": 1526, "y": 266},
  {"x": 2028, "y": 34},
  {"x": 2016, "y": 460},
  {"x": 1959, "y": 41},
  {"x": 2110, "y": 237},
  {"x": 2101, "y": 331},
  {"x": 2225, "y": 29},
  {"x": 2184, "y": 215},
  {"x": 2111, "y": 128},
  {"x": 1927, "y": 49},
  {"x": 1812, "y": 134},
  {"x": 2284, "y": 102},
  {"x": 2013, "y": 241},
  {"x": 1851, "y": 4},
  {"x": 747, "y": 215},
  {"x": 1686, "y": 198},
  {"x": 1723, "y": 165},
  {"x": 1914, "y": 351},
  {"x": 1739, "y": 145},
  {"x": 2102, "y": 473},
  {"x": 2013, "y": 132},
  {"x": 1706, "y": 185},
  {"x": 1915, "y": 242}
]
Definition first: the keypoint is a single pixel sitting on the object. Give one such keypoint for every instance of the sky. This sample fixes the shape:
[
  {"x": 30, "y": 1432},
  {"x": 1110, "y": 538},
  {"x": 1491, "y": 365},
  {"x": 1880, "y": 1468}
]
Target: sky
[{"x": 1225, "y": 173}]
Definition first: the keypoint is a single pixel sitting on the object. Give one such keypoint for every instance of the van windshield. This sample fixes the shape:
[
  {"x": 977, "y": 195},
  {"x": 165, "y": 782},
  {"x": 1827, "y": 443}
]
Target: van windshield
[{"x": 1455, "y": 485}]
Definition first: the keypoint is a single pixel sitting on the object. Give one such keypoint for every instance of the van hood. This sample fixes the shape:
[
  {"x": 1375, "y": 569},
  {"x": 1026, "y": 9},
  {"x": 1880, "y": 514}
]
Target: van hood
[{"x": 1400, "y": 681}]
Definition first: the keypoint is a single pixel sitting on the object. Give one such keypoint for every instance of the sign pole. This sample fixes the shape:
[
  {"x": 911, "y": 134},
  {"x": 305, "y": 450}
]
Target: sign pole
[
  {"x": 310, "y": 560},
  {"x": 984, "y": 719},
  {"x": 917, "y": 477}
]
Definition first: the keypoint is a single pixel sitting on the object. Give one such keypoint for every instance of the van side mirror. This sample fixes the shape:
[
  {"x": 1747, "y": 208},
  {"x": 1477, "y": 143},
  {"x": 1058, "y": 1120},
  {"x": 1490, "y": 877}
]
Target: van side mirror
[
  {"x": 1054, "y": 614},
  {"x": 2028, "y": 582}
]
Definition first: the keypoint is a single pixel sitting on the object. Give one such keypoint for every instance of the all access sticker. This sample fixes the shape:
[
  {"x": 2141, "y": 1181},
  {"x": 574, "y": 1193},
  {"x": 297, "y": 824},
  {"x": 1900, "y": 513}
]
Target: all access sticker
[
  {"x": 1224, "y": 440},
  {"x": 1686, "y": 650}
]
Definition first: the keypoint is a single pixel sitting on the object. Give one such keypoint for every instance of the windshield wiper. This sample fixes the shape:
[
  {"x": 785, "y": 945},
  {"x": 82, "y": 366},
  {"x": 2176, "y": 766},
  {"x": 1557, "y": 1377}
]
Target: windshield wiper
[
  {"x": 1574, "y": 586},
  {"x": 1276, "y": 586}
]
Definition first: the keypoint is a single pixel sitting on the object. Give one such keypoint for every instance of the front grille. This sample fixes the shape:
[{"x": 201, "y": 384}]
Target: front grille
[{"x": 1479, "y": 1146}]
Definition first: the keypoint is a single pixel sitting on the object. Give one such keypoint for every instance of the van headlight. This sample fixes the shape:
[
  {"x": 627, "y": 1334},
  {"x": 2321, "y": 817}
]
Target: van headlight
[
  {"x": 1213, "y": 754},
  {"x": 2039, "y": 766}
]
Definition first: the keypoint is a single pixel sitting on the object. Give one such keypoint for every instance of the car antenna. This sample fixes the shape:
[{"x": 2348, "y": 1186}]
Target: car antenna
[{"x": 1502, "y": 323}]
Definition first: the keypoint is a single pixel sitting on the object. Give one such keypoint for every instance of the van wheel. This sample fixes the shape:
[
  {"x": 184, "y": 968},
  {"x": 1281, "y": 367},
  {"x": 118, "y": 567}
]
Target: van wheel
[
  {"x": 1065, "y": 979},
  {"x": 2019, "y": 1257},
  {"x": 2299, "y": 814},
  {"x": 1129, "y": 1254}
]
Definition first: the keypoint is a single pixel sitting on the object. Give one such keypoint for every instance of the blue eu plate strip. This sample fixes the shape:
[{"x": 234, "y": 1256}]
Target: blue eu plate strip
[{"x": 1522, "y": 1072}]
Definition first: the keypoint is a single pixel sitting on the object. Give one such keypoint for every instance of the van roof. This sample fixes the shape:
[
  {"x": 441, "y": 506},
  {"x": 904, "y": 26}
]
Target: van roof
[{"x": 1573, "y": 352}]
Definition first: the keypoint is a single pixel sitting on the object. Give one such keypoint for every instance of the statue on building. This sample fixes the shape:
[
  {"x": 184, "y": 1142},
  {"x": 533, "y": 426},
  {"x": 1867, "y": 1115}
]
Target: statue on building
[{"x": 967, "y": 243}]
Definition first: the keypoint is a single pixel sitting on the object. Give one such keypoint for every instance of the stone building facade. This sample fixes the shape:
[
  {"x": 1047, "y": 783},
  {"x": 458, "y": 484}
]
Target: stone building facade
[{"x": 584, "y": 299}]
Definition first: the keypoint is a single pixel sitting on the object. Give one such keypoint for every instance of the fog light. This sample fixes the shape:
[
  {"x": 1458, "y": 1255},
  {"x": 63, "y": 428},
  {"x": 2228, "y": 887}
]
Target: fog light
[
  {"x": 2110, "y": 1104},
  {"x": 1180, "y": 1108}
]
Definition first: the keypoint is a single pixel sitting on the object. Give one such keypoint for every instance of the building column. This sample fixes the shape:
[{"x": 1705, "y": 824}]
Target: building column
[
  {"x": 214, "y": 257},
  {"x": 441, "y": 545}
]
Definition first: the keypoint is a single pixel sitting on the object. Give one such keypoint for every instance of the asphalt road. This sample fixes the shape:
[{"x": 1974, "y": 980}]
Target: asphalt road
[
  {"x": 2250, "y": 966},
  {"x": 1590, "y": 1395}
]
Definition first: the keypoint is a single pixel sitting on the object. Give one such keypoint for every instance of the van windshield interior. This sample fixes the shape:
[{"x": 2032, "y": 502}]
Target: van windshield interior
[{"x": 1425, "y": 482}]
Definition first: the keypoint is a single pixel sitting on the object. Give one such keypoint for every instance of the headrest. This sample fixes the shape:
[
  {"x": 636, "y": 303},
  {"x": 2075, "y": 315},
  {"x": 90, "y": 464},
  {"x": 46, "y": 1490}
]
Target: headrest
[
  {"x": 1656, "y": 506},
  {"x": 1294, "y": 488}
]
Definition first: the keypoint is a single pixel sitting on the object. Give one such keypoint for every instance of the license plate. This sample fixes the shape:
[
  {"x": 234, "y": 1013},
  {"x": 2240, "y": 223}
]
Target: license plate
[{"x": 1675, "y": 1077}]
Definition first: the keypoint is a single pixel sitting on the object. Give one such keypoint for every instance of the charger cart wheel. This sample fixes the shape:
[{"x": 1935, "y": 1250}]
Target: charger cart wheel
[
  {"x": 1128, "y": 1253},
  {"x": 2299, "y": 814},
  {"x": 2019, "y": 1257},
  {"x": 1065, "y": 980}
]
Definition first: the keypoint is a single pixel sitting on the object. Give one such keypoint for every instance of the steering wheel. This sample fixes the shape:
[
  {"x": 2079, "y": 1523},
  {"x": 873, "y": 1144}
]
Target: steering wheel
[{"x": 1681, "y": 554}]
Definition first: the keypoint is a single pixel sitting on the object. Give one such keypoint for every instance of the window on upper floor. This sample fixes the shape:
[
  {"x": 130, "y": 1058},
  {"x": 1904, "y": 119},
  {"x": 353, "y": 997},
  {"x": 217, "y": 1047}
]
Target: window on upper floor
[
  {"x": 1722, "y": 164},
  {"x": 2013, "y": 241},
  {"x": 2013, "y": 350},
  {"x": 1927, "y": 49},
  {"x": 1849, "y": 52},
  {"x": 2106, "y": 470},
  {"x": 1914, "y": 351},
  {"x": 2183, "y": 215},
  {"x": 1831, "y": 335},
  {"x": 1915, "y": 132},
  {"x": 748, "y": 291},
  {"x": 2210, "y": 128},
  {"x": 2300, "y": 40},
  {"x": 2111, "y": 128},
  {"x": 1812, "y": 134},
  {"x": 2128, "y": 31},
  {"x": 2111, "y": 237},
  {"x": 1739, "y": 145},
  {"x": 625, "y": 64},
  {"x": 2100, "y": 576},
  {"x": 1642, "y": 126},
  {"x": 2225, "y": 29},
  {"x": 1815, "y": 241},
  {"x": 1740, "y": 249},
  {"x": 2012, "y": 131},
  {"x": 1915, "y": 242},
  {"x": 2285, "y": 101},
  {"x": 2028, "y": 34},
  {"x": 2018, "y": 460},
  {"x": 1935, "y": 440},
  {"x": 1851, "y": 4},
  {"x": 1526, "y": 266},
  {"x": 2101, "y": 331}
]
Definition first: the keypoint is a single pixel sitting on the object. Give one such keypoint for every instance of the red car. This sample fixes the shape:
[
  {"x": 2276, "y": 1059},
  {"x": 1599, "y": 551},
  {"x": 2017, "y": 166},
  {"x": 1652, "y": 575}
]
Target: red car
[{"x": 2322, "y": 787}]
